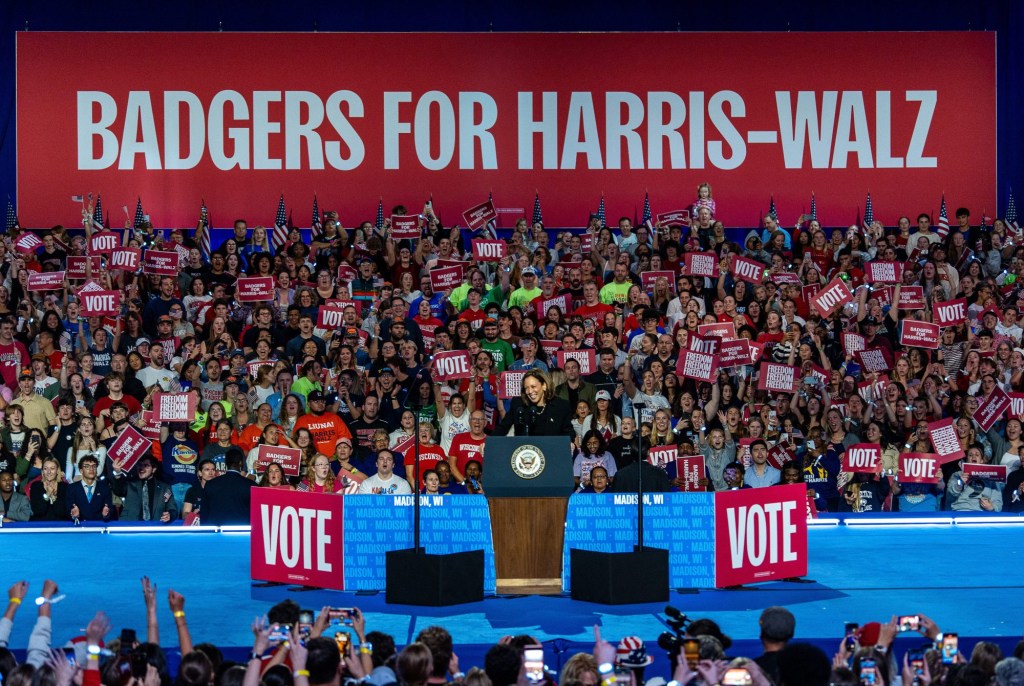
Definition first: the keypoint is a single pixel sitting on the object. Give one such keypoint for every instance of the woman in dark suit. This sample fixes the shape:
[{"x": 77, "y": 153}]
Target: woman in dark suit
[
  {"x": 49, "y": 494},
  {"x": 537, "y": 412}
]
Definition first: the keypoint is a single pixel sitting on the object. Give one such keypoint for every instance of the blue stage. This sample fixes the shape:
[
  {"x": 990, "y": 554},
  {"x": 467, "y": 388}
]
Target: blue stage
[{"x": 964, "y": 573}]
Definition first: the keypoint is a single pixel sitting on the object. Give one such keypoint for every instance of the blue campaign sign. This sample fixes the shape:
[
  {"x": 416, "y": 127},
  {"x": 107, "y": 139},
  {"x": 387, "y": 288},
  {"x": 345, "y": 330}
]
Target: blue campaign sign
[
  {"x": 375, "y": 524},
  {"x": 682, "y": 523}
]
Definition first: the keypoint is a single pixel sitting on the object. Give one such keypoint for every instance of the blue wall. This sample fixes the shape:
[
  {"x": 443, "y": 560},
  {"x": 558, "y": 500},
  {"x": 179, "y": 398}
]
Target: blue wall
[{"x": 1002, "y": 16}]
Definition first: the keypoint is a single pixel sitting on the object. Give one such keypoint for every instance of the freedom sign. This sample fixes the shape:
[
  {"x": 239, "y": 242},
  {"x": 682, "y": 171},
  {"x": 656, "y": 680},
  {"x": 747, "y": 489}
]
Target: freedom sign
[
  {"x": 478, "y": 215},
  {"x": 874, "y": 359},
  {"x": 945, "y": 440},
  {"x": 915, "y": 334},
  {"x": 452, "y": 364},
  {"x": 695, "y": 365},
  {"x": 992, "y": 408},
  {"x": 289, "y": 458},
  {"x": 128, "y": 447},
  {"x": 174, "y": 407},
  {"x": 864, "y": 458},
  {"x": 254, "y": 288},
  {"x": 562, "y": 302},
  {"x": 162, "y": 262},
  {"x": 297, "y": 538},
  {"x": 920, "y": 468},
  {"x": 831, "y": 297},
  {"x": 510, "y": 384},
  {"x": 587, "y": 359},
  {"x": 950, "y": 313},
  {"x": 701, "y": 264},
  {"x": 778, "y": 377},
  {"x": 45, "y": 281},
  {"x": 760, "y": 534},
  {"x": 883, "y": 272},
  {"x": 488, "y": 251},
  {"x": 100, "y": 303}
]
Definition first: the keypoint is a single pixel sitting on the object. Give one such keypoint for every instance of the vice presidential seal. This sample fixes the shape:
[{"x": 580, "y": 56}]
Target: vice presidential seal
[{"x": 527, "y": 462}]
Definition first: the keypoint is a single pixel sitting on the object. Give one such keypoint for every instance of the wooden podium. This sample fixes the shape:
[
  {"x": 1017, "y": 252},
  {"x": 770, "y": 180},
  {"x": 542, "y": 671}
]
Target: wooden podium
[{"x": 529, "y": 479}]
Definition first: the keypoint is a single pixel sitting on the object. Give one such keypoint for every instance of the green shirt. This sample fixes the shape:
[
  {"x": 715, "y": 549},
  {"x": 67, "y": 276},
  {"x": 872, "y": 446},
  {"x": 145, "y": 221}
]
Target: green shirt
[
  {"x": 615, "y": 292},
  {"x": 521, "y": 296},
  {"x": 501, "y": 352}
]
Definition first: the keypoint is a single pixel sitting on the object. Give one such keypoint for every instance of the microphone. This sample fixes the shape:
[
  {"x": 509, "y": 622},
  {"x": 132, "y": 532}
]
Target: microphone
[{"x": 521, "y": 422}]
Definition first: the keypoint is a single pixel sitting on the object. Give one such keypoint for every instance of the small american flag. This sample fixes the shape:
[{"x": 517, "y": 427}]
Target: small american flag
[
  {"x": 1011, "y": 214},
  {"x": 771, "y": 208},
  {"x": 140, "y": 216},
  {"x": 647, "y": 217},
  {"x": 97, "y": 214},
  {"x": 869, "y": 212},
  {"x": 490, "y": 229},
  {"x": 814, "y": 209},
  {"x": 317, "y": 225},
  {"x": 280, "y": 235},
  {"x": 600, "y": 212},
  {"x": 943, "y": 226},
  {"x": 77, "y": 198},
  {"x": 379, "y": 223},
  {"x": 538, "y": 216},
  {"x": 12, "y": 217},
  {"x": 204, "y": 233}
]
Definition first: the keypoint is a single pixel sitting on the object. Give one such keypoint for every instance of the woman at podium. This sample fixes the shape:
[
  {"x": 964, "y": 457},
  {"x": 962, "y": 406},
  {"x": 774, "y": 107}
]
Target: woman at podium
[{"x": 537, "y": 412}]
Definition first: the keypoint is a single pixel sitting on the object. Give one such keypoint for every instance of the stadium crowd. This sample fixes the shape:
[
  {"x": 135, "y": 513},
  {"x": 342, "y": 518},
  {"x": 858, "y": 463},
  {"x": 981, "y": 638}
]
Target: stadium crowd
[{"x": 362, "y": 399}]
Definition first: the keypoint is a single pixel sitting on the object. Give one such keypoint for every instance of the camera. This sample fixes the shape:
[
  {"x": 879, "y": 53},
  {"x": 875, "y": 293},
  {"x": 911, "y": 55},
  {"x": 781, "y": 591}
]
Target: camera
[{"x": 672, "y": 642}]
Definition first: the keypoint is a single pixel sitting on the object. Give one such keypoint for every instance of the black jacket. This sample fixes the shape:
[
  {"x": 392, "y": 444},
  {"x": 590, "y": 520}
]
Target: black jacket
[
  {"x": 226, "y": 500},
  {"x": 554, "y": 419},
  {"x": 655, "y": 479}
]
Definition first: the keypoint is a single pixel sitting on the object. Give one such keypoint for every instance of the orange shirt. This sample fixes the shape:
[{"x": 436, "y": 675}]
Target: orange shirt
[{"x": 326, "y": 430}]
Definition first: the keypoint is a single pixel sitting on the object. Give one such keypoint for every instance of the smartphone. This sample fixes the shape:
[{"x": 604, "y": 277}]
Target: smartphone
[
  {"x": 140, "y": 664},
  {"x": 909, "y": 622},
  {"x": 279, "y": 633},
  {"x": 305, "y": 623},
  {"x": 69, "y": 655},
  {"x": 850, "y": 632},
  {"x": 340, "y": 615},
  {"x": 950, "y": 648},
  {"x": 128, "y": 640},
  {"x": 867, "y": 673},
  {"x": 691, "y": 651},
  {"x": 342, "y": 639},
  {"x": 533, "y": 663},
  {"x": 916, "y": 659},
  {"x": 737, "y": 677}
]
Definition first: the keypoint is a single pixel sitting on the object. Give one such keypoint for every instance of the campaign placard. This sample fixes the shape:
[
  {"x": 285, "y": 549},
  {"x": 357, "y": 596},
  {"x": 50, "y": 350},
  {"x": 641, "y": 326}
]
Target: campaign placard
[
  {"x": 701, "y": 264},
  {"x": 330, "y": 316},
  {"x": 673, "y": 218},
  {"x": 162, "y": 262},
  {"x": 831, "y": 297},
  {"x": 874, "y": 360},
  {"x": 945, "y": 440},
  {"x": 708, "y": 345},
  {"x": 297, "y": 538},
  {"x": 781, "y": 378},
  {"x": 76, "y": 266},
  {"x": 920, "y": 468},
  {"x": 695, "y": 365},
  {"x": 444, "y": 278},
  {"x": 562, "y": 302},
  {"x": 510, "y": 384},
  {"x": 911, "y": 298},
  {"x": 992, "y": 408},
  {"x": 809, "y": 291},
  {"x": 648, "y": 279},
  {"x": 723, "y": 330},
  {"x": 587, "y": 359},
  {"x": 551, "y": 347},
  {"x": 690, "y": 472},
  {"x": 405, "y": 226},
  {"x": 853, "y": 343},
  {"x": 785, "y": 278},
  {"x": 478, "y": 215},
  {"x": 662, "y": 455},
  {"x": 28, "y": 242},
  {"x": 100, "y": 303},
  {"x": 991, "y": 472},
  {"x": 346, "y": 272},
  {"x": 1016, "y": 409},
  {"x": 452, "y": 364},
  {"x": 174, "y": 407},
  {"x": 779, "y": 454},
  {"x": 760, "y": 534},
  {"x": 881, "y": 271},
  {"x": 45, "y": 281},
  {"x": 104, "y": 242},
  {"x": 863, "y": 458},
  {"x": 148, "y": 425},
  {"x": 125, "y": 259},
  {"x": 254, "y": 289},
  {"x": 489, "y": 251},
  {"x": 950, "y": 313},
  {"x": 915, "y": 334},
  {"x": 182, "y": 253},
  {"x": 747, "y": 270},
  {"x": 586, "y": 243},
  {"x": 289, "y": 458},
  {"x": 735, "y": 353},
  {"x": 129, "y": 446}
]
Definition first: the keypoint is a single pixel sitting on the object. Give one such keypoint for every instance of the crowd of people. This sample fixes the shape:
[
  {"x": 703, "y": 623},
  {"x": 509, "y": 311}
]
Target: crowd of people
[
  {"x": 364, "y": 404},
  {"x": 332, "y": 647}
]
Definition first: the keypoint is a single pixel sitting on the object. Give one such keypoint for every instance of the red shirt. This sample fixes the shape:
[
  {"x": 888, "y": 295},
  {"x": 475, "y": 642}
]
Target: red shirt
[
  {"x": 430, "y": 456},
  {"x": 466, "y": 448}
]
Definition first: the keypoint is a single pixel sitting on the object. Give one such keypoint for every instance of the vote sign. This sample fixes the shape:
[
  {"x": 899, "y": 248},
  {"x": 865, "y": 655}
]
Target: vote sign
[
  {"x": 488, "y": 251},
  {"x": 831, "y": 298},
  {"x": 452, "y": 364},
  {"x": 100, "y": 303},
  {"x": 863, "y": 458},
  {"x": 920, "y": 468}
]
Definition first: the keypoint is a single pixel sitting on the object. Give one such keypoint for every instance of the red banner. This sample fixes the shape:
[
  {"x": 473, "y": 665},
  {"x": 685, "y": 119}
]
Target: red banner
[
  {"x": 100, "y": 303},
  {"x": 562, "y": 302},
  {"x": 453, "y": 364},
  {"x": 174, "y": 407},
  {"x": 647, "y": 280},
  {"x": 444, "y": 278},
  {"x": 489, "y": 251},
  {"x": 875, "y": 359},
  {"x": 289, "y": 458},
  {"x": 760, "y": 534},
  {"x": 405, "y": 226},
  {"x": 510, "y": 384},
  {"x": 853, "y": 342},
  {"x": 105, "y": 242},
  {"x": 125, "y": 259},
  {"x": 45, "y": 281},
  {"x": 587, "y": 359},
  {"x": 992, "y": 408},
  {"x": 346, "y": 272},
  {"x": 747, "y": 270},
  {"x": 254, "y": 288},
  {"x": 28, "y": 242},
  {"x": 162, "y": 262},
  {"x": 920, "y": 468},
  {"x": 297, "y": 538},
  {"x": 709, "y": 345},
  {"x": 778, "y": 377},
  {"x": 950, "y": 313},
  {"x": 1016, "y": 406},
  {"x": 701, "y": 264},
  {"x": 915, "y": 334},
  {"x": 673, "y": 218},
  {"x": 831, "y": 297},
  {"x": 911, "y": 298},
  {"x": 992, "y": 472},
  {"x": 695, "y": 365},
  {"x": 723, "y": 330},
  {"x": 478, "y": 215},
  {"x": 945, "y": 440},
  {"x": 883, "y": 272},
  {"x": 77, "y": 263},
  {"x": 330, "y": 316},
  {"x": 785, "y": 277},
  {"x": 734, "y": 353},
  {"x": 690, "y": 471},
  {"x": 129, "y": 446},
  {"x": 661, "y": 455},
  {"x": 865, "y": 458}
]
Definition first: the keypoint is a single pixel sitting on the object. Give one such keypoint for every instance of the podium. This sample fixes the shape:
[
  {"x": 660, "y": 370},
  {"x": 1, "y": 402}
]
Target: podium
[{"x": 529, "y": 480}]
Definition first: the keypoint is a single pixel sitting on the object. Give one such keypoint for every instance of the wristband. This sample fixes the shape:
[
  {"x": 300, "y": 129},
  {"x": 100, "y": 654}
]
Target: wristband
[
  {"x": 14, "y": 600},
  {"x": 458, "y": 676},
  {"x": 363, "y": 650},
  {"x": 255, "y": 656},
  {"x": 605, "y": 668},
  {"x": 94, "y": 651},
  {"x": 179, "y": 614},
  {"x": 300, "y": 672}
]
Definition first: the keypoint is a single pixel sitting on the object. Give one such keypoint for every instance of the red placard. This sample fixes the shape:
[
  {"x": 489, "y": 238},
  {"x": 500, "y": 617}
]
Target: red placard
[
  {"x": 760, "y": 534},
  {"x": 343, "y": 303},
  {"x": 489, "y": 251},
  {"x": 562, "y": 302},
  {"x": 875, "y": 359},
  {"x": 125, "y": 259},
  {"x": 289, "y": 458},
  {"x": 444, "y": 278},
  {"x": 586, "y": 243},
  {"x": 747, "y": 270},
  {"x": 673, "y": 218},
  {"x": 45, "y": 281},
  {"x": 709, "y": 345},
  {"x": 405, "y": 226},
  {"x": 756, "y": 350},
  {"x": 510, "y": 384},
  {"x": 945, "y": 440},
  {"x": 129, "y": 446},
  {"x": 950, "y": 313},
  {"x": 920, "y": 468},
  {"x": 695, "y": 365},
  {"x": 647, "y": 280},
  {"x": 831, "y": 297},
  {"x": 104, "y": 242},
  {"x": 100, "y": 303},
  {"x": 779, "y": 454},
  {"x": 992, "y": 408},
  {"x": 174, "y": 407},
  {"x": 808, "y": 292},
  {"x": 724, "y": 330},
  {"x": 915, "y": 334},
  {"x": 911, "y": 298},
  {"x": 734, "y": 353},
  {"x": 76, "y": 266},
  {"x": 778, "y": 377},
  {"x": 297, "y": 538},
  {"x": 28, "y": 242},
  {"x": 148, "y": 426},
  {"x": 254, "y": 289},
  {"x": 478, "y": 215},
  {"x": 452, "y": 364},
  {"x": 182, "y": 252},
  {"x": 330, "y": 316},
  {"x": 551, "y": 347},
  {"x": 587, "y": 359},
  {"x": 346, "y": 272},
  {"x": 865, "y": 458},
  {"x": 992, "y": 472},
  {"x": 785, "y": 277},
  {"x": 701, "y": 264},
  {"x": 162, "y": 262},
  {"x": 1016, "y": 409},
  {"x": 690, "y": 472},
  {"x": 662, "y": 455},
  {"x": 853, "y": 342},
  {"x": 883, "y": 272}
]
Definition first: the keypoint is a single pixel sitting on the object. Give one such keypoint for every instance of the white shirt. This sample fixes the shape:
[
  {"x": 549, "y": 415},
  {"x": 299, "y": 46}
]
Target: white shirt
[{"x": 378, "y": 486}]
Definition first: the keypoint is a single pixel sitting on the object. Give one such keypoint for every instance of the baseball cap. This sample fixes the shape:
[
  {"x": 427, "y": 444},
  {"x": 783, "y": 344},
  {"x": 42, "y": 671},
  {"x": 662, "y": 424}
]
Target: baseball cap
[
  {"x": 777, "y": 623},
  {"x": 491, "y": 321},
  {"x": 26, "y": 373},
  {"x": 869, "y": 321},
  {"x": 867, "y": 635},
  {"x": 529, "y": 270},
  {"x": 141, "y": 341},
  {"x": 603, "y": 395},
  {"x": 386, "y": 370},
  {"x": 315, "y": 396},
  {"x": 165, "y": 318},
  {"x": 351, "y": 331}
]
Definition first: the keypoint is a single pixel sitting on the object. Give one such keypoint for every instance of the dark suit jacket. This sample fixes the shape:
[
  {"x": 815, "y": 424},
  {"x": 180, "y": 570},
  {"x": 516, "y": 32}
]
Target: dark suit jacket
[
  {"x": 92, "y": 511},
  {"x": 43, "y": 510},
  {"x": 226, "y": 500},
  {"x": 554, "y": 419},
  {"x": 19, "y": 509},
  {"x": 655, "y": 479},
  {"x": 161, "y": 499}
]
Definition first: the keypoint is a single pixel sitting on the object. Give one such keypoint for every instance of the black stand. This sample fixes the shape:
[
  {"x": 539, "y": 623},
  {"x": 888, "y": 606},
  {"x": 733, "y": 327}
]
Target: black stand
[
  {"x": 416, "y": 578},
  {"x": 622, "y": 578}
]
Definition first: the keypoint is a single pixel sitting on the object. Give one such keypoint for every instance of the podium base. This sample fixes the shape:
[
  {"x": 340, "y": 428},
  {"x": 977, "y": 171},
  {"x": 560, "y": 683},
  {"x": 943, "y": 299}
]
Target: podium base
[
  {"x": 619, "y": 578},
  {"x": 416, "y": 578}
]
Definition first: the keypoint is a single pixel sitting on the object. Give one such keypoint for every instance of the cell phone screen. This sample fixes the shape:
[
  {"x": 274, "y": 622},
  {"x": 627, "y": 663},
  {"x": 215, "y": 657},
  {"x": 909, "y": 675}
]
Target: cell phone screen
[
  {"x": 533, "y": 663},
  {"x": 867, "y": 673},
  {"x": 950, "y": 648},
  {"x": 909, "y": 622}
]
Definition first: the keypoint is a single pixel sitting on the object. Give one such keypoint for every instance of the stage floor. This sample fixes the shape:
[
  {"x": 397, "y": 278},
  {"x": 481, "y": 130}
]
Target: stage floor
[{"x": 966, "y": 577}]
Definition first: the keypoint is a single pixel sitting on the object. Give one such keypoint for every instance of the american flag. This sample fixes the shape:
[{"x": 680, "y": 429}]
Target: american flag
[
  {"x": 317, "y": 225},
  {"x": 771, "y": 208},
  {"x": 12, "y": 218},
  {"x": 538, "y": 216},
  {"x": 943, "y": 226},
  {"x": 140, "y": 216},
  {"x": 647, "y": 218},
  {"x": 204, "y": 233},
  {"x": 97, "y": 214},
  {"x": 814, "y": 209},
  {"x": 600, "y": 212},
  {"x": 280, "y": 235},
  {"x": 869, "y": 212},
  {"x": 379, "y": 223},
  {"x": 1011, "y": 214},
  {"x": 490, "y": 229}
]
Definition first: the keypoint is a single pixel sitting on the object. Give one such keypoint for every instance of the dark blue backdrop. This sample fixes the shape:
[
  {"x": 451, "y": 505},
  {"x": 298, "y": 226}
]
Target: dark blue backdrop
[{"x": 1006, "y": 17}]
